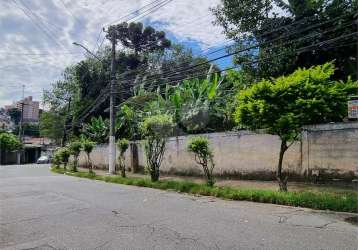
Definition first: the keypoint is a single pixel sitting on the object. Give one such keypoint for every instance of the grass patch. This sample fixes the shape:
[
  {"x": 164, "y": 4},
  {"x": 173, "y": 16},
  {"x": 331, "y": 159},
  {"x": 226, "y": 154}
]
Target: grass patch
[{"x": 344, "y": 202}]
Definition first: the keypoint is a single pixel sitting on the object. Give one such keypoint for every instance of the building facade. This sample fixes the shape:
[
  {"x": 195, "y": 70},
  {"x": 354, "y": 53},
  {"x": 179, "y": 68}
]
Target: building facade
[{"x": 30, "y": 109}]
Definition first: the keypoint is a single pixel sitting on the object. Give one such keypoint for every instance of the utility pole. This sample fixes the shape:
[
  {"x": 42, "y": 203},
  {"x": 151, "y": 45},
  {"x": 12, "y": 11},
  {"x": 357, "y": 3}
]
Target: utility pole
[
  {"x": 64, "y": 137},
  {"x": 112, "y": 146},
  {"x": 22, "y": 113},
  {"x": 19, "y": 153},
  {"x": 112, "y": 37}
]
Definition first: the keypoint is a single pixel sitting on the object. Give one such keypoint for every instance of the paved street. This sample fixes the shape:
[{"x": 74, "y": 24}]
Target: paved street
[{"x": 41, "y": 210}]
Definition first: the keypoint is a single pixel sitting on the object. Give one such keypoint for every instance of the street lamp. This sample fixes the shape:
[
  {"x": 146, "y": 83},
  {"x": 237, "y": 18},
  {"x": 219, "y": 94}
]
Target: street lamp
[{"x": 87, "y": 50}]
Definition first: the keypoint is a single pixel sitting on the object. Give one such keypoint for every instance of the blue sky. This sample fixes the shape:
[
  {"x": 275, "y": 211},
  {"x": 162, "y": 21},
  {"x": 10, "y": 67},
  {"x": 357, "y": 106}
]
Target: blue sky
[{"x": 36, "y": 36}]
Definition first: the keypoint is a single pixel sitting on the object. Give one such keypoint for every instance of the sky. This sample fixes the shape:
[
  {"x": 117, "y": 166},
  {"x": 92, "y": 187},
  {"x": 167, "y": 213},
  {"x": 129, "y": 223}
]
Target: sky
[{"x": 36, "y": 36}]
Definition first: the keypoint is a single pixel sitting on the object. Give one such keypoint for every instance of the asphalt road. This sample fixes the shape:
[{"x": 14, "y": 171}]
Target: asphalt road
[{"x": 41, "y": 210}]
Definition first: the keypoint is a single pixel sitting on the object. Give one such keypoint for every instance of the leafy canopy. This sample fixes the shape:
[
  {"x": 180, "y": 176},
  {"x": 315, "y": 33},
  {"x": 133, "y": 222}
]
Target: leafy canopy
[
  {"x": 200, "y": 145},
  {"x": 306, "y": 23},
  {"x": 88, "y": 146},
  {"x": 63, "y": 154},
  {"x": 75, "y": 148},
  {"x": 97, "y": 129},
  {"x": 122, "y": 145},
  {"x": 157, "y": 126},
  {"x": 284, "y": 104},
  {"x": 51, "y": 125},
  {"x": 9, "y": 142}
]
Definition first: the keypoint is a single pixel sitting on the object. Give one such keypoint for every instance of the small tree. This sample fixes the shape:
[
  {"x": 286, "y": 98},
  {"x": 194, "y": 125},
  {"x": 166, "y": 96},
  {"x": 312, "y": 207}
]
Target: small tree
[
  {"x": 122, "y": 147},
  {"x": 199, "y": 145},
  {"x": 156, "y": 129},
  {"x": 64, "y": 154},
  {"x": 56, "y": 161},
  {"x": 75, "y": 150},
  {"x": 88, "y": 146},
  {"x": 283, "y": 105},
  {"x": 9, "y": 142}
]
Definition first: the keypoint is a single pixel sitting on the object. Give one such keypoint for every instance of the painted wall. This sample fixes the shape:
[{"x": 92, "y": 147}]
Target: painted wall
[{"x": 329, "y": 150}]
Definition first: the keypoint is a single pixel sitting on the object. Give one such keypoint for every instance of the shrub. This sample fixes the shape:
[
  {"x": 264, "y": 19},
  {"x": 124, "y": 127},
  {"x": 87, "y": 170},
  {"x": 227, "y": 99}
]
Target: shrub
[
  {"x": 199, "y": 145},
  {"x": 56, "y": 161},
  {"x": 75, "y": 150},
  {"x": 64, "y": 155},
  {"x": 122, "y": 145},
  {"x": 156, "y": 129},
  {"x": 88, "y": 146},
  {"x": 9, "y": 142}
]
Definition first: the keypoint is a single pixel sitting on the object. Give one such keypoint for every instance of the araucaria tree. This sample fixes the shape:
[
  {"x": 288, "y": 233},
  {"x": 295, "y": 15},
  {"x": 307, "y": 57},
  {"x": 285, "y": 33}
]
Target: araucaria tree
[
  {"x": 283, "y": 105},
  {"x": 199, "y": 145},
  {"x": 156, "y": 129},
  {"x": 122, "y": 147},
  {"x": 75, "y": 149},
  {"x": 88, "y": 146}
]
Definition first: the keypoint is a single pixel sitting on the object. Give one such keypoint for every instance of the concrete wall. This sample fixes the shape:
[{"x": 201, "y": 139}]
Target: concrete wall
[{"x": 329, "y": 150}]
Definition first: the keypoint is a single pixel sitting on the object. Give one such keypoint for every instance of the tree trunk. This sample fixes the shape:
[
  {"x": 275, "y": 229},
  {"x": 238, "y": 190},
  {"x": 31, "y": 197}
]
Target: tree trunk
[
  {"x": 154, "y": 173},
  {"x": 75, "y": 164},
  {"x": 282, "y": 180},
  {"x": 134, "y": 157},
  {"x": 122, "y": 166},
  {"x": 89, "y": 163}
]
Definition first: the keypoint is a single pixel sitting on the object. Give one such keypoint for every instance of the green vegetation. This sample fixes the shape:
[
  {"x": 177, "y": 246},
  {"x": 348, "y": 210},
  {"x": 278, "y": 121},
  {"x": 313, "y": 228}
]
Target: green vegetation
[
  {"x": 199, "y": 145},
  {"x": 87, "y": 146},
  {"x": 75, "y": 148},
  {"x": 258, "y": 24},
  {"x": 122, "y": 145},
  {"x": 144, "y": 54},
  {"x": 155, "y": 130},
  {"x": 64, "y": 155},
  {"x": 9, "y": 142},
  {"x": 283, "y": 105},
  {"x": 51, "y": 125},
  {"x": 56, "y": 161},
  {"x": 346, "y": 202},
  {"x": 97, "y": 130}
]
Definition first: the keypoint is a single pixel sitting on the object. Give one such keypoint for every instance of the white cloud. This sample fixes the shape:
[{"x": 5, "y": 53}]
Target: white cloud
[{"x": 67, "y": 21}]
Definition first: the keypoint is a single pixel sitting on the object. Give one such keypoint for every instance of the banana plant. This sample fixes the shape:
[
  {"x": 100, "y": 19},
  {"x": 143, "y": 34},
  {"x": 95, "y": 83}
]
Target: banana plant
[{"x": 97, "y": 129}]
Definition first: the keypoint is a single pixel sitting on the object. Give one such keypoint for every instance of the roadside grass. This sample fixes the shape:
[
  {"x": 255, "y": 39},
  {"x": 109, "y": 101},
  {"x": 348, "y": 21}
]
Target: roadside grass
[{"x": 343, "y": 202}]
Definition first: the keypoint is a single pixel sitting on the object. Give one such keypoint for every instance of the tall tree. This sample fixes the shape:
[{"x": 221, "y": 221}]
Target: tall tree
[
  {"x": 291, "y": 34},
  {"x": 15, "y": 115},
  {"x": 51, "y": 125}
]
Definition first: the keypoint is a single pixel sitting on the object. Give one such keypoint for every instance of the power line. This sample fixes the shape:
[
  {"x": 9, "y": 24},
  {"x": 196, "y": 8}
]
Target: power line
[
  {"x": 151, "y": 10},
  {"x": 121, "y": 18},
  {"x": 240, "y": 51},
  {"x": 178, "y": 80},
  {"x": 42, "y": 27},
  {"x": 146, "y": 13},
  {"x": 185, "y": 69},
  {"x": 167, "y": 77},
  {"x": 250, "y": 62}
]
